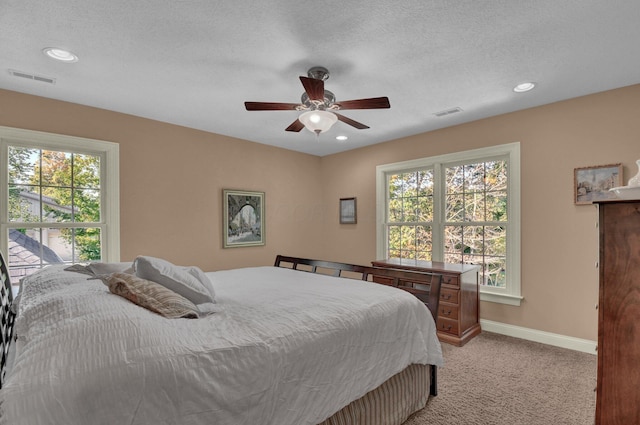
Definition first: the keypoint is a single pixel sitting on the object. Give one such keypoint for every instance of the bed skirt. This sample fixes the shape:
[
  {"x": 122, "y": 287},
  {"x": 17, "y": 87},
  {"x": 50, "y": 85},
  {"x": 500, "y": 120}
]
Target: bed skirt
[{"x": 389, "y": 404}]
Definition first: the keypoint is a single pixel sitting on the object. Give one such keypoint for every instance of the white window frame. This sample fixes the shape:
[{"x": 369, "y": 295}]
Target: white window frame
[
  {"x": 109, "y": 180},
  {"x": 511, "y": 294}
]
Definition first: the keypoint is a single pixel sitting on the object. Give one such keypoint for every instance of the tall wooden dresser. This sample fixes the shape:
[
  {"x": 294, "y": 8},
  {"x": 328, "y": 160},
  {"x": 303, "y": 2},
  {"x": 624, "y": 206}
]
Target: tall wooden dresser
[
  {"x": 618, "y": 391},
  {"x": 459, "y": 308}
]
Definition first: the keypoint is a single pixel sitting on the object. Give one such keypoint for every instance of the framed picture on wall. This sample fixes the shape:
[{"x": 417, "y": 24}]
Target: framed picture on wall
[
  {"x": 593, "y": 183},
  {"x": 348, "y": 212},
  {"x": 243, "y": 218}
]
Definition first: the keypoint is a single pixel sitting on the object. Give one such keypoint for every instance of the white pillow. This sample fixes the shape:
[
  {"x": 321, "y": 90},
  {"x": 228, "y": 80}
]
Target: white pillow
[
  {"x": 108, "y": 268},
  {"x": 172, "y": 277},
  {"x": 199, "y": 274}
]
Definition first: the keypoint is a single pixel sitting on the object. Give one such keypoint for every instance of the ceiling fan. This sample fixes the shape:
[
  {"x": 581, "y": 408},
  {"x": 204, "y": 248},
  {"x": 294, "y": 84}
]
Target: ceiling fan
[{"x": 319, "y": 105}]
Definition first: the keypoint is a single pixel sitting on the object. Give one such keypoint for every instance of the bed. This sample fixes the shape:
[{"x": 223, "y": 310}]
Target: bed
[{"x": 301, "y": 342}]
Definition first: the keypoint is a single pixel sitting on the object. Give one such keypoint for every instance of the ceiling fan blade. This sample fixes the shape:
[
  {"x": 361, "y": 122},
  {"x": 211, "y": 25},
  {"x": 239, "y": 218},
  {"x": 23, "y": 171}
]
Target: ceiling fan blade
[
  {"x": 295, "y": 126},
  {"x": 351, "y": 122},
  {"x": 270, "y": 106},
  {"x": 371, "y": 103},
  {"x": 314, "y": 88}
]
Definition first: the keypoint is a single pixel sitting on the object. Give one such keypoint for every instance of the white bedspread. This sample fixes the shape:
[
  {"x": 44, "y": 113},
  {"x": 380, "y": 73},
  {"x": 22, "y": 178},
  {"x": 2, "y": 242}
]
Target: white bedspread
[{"x": 285, "y": 347}]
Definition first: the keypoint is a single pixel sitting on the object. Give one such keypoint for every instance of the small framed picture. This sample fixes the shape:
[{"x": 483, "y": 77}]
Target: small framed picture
[
  {"x": 593, "y": 183},
  {"x": 348, "y": 211},
  {"x": 243, "y": 218}
]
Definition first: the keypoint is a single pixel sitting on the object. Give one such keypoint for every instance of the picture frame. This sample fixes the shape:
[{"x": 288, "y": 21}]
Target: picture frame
[
  {"x": 348, "y": 211},
  {"x": 591, "y": 184},
  {"x": 243, "y": 218}
]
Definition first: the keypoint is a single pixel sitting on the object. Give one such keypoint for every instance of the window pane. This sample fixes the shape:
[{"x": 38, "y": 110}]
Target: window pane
[
  {"x": 496, "y": 175},
  {"x": 410, "y": 208},
  {"x": 394, "y": 238},
  {"x": 495, "y": 240},
  {"x": 395, "y": 186},
  {"x": 24, "y": 204},
  {"x": 55, "y": 169},
  {"x": 477, "y": 260},
  {"x": 86, "y": 205},
  {"x": 425, "y": 183},
  {"x": 408, "y": 241},
  {"x": 87, "y": 242},
  {"x": 452, "y": 258},
  {"x": 425, "y": 209},
  {"x": 454, "y": 208},
  {"x": 455, "y": 179},
  {"x": 495, "y": 272},
  {"x": 56, "y": 205},
  {"x": 86, "y": 171},
  {"x": 474, "y": 177},
  {"x": 395, "y": 210},
  {"x": 424, "y": 243},
  {"x": 453, "y": 240},
  {"x": 22, "y": 165},
  {"x": 474, "y": 207},
  {"x": 497, "y": 206},
  {"x": 30, "y": 250},
  {"x": 473, "y": 240}
]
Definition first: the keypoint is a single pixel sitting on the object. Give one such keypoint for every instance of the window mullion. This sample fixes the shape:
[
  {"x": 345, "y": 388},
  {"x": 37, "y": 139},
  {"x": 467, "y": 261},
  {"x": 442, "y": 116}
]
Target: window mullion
[{"x": 439, "y": 192}]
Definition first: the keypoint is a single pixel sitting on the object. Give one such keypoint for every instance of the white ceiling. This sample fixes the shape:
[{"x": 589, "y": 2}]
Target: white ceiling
[{"x": 195, "y": 62}]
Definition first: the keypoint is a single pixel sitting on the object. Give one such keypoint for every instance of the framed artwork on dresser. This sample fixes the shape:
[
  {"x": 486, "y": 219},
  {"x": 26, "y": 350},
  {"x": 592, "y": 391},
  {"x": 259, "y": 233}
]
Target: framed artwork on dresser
[
  {"x": 243, "y": 218},
  {"x": 592, "y": 184}
]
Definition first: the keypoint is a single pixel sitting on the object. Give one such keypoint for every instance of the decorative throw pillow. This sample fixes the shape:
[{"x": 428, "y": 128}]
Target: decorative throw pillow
[
  {"x": 172, "y": 277},
  {"x": 150, "y": 295}
]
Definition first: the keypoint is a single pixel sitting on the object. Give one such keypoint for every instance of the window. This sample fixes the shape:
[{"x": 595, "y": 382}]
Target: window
[
  {"x": 61, "y": 196},
  {"x": 456, "y": 208}
]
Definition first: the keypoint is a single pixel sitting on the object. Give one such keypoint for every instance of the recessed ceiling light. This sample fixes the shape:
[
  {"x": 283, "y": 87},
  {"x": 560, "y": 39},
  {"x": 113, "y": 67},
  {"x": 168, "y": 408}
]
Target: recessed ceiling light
[
  {"x": 341, "y": 138},
  {"x": 60, "y": 54},
  {"x": 523, "y": 87}
]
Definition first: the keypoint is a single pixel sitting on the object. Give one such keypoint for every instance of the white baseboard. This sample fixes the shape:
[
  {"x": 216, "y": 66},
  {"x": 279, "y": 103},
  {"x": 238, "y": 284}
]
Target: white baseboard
[{"x": 577, "y": 344}]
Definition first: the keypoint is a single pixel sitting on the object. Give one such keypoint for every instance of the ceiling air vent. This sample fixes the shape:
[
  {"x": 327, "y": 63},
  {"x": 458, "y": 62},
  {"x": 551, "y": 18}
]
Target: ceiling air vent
[
  {"x": 448, "y": 112},
  {"x": 32, "y": 76}
]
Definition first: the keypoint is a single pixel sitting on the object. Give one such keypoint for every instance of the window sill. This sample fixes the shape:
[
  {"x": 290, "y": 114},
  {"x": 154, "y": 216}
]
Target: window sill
[{"x": 501, "y": 298}]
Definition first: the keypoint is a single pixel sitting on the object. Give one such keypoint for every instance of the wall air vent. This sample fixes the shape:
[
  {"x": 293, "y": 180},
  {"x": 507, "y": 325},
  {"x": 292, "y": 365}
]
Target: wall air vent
[
  {"x": 448, "y": 112},
  {"x": 32, "y": 76}
]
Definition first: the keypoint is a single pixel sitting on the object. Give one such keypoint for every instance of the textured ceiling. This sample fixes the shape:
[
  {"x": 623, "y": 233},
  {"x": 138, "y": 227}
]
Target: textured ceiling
[{"x": 195, "y": 62}]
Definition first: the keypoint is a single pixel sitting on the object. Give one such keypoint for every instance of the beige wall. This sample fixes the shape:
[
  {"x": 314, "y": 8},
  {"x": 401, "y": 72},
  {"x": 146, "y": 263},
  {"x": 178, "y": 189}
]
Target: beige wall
[
  {"x": 172, "y": 180},
  {"x": 559, "y": 239}
]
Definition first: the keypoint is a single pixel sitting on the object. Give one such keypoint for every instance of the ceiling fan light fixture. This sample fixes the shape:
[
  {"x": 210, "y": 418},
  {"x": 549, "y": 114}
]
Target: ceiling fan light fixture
[{"x": 318, "y": 121}]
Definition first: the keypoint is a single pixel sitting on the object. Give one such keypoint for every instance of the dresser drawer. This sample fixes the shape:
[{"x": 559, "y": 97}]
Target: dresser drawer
[
  {"x": 449, "y": 326},
  {"x": 448, "y": 311},
  {"x": 452, "y": 280},
  {"x": 449, "y": 296}
]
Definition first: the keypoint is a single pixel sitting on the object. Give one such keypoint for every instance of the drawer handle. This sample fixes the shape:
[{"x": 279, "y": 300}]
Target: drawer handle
[
  {"x": 446, "y": 296},
  {"x": 446, "y": 312},
  {"x": 446, "y": 328}
]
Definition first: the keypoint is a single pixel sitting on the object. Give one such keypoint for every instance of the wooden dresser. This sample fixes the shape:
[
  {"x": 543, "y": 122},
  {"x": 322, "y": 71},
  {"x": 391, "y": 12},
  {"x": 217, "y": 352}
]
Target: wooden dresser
[
  {"x": 618, "y": 391},
  {"x": 459, "y": 310}
]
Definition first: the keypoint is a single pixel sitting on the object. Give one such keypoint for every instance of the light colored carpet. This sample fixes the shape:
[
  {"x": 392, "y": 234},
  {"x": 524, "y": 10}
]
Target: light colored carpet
[{"x": 499, "y": 380}]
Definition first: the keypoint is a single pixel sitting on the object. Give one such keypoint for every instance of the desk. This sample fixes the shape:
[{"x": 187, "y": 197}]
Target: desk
[{"x": 459, "y": 309}]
